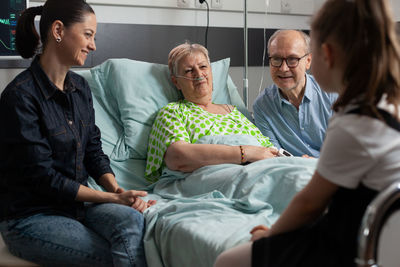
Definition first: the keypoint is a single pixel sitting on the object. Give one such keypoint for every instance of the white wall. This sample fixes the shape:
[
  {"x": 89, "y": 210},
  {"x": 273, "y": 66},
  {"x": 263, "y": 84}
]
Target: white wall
[
  {"x": 166, "y": 12},
  {"x": 258, "y": 79},
  {"x": 278, "y": 14},
  {"x": 6, "y": 75}
]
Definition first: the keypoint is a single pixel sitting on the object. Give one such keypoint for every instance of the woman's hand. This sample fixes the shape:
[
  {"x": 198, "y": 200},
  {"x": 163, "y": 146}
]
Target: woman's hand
[
  {"x": 258, "y": 232},
  {"x": 116, "y": 195},
  {"x": 255, "y": 153},
  {"x": 131, "y": 198}
]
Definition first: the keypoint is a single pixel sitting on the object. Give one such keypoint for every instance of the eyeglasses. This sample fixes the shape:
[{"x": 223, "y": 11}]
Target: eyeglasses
[{"x": 291, "y": 62}]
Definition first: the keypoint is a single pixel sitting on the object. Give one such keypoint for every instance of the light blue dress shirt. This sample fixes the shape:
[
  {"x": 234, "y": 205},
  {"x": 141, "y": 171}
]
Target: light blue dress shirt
[{"x": 298, "y": 131}]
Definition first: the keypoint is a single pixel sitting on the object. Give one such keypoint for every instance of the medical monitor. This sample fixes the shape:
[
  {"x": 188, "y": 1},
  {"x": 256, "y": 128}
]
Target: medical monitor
[{"x": 10, "y": 11}]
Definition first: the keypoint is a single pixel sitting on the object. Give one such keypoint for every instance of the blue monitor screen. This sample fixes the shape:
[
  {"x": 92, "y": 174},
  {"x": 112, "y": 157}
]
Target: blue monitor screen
[{"x": 10, "y": 11}]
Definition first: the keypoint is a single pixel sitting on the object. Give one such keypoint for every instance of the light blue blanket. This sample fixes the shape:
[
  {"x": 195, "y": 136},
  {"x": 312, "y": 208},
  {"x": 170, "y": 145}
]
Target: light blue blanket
[
  {"x": 198, "y": 215},
  {"x": 214, "y": 208}
]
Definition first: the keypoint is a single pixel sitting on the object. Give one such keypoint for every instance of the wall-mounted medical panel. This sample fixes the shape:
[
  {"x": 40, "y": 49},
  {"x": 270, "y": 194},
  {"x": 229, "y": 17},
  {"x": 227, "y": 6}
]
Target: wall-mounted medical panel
[{"x": 152, "y": 43}]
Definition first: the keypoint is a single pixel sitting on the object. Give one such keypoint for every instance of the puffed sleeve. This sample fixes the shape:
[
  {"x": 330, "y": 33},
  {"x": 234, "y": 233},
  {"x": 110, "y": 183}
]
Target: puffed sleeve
[{"x": 168, "y": 128}]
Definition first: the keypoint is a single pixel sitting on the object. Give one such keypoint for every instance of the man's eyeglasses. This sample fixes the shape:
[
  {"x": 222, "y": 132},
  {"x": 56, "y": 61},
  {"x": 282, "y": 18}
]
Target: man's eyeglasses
[{"x": 291, "y": 62}]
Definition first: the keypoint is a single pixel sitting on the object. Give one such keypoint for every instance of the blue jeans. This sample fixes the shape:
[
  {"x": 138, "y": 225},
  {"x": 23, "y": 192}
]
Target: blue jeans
[{"x": 109, "y": 235}]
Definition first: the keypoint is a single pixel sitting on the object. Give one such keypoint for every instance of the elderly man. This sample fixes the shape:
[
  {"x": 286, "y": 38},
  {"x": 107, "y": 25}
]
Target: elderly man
[{"x": 294, "y": 111}]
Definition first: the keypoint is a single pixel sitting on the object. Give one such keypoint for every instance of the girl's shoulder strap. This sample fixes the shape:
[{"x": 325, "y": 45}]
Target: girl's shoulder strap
[{"x": 387, "y": 117}]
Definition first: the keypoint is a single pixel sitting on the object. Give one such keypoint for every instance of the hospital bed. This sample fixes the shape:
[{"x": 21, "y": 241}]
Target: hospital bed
[{"x": 196, "y": 217}]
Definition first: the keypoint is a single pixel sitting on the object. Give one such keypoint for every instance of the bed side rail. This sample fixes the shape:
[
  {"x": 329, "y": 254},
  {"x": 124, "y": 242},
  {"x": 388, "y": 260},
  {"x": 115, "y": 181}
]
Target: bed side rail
[{"x": 374, "y": 218}]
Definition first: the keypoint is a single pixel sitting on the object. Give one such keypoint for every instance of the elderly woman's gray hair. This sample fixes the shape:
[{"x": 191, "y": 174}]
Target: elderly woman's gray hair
[{"x": 182, "y": 51}]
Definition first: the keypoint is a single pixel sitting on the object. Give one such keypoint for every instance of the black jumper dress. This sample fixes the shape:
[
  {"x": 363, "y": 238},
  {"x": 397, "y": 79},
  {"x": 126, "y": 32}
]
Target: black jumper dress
[{"x": 331, "y": 241}]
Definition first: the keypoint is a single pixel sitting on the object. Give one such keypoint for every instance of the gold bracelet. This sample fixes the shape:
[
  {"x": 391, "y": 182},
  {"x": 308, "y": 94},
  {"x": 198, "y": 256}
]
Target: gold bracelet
[{"x": 242, "y": 160}]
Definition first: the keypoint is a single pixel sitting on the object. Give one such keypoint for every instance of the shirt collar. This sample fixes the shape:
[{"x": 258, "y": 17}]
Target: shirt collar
[
  {"x": 308, "y": 94},
  {"x": 46, "y": 86}
]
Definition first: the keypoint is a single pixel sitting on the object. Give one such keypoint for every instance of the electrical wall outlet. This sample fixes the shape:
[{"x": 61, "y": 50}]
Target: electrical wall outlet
[
  {"x": 183, "y": 3},
  {"x": 197, "y": 4},
  {"x": 216, "y": 4}
]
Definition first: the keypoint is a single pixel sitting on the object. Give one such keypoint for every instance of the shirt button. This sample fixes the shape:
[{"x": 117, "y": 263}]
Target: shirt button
[
  {"x": 70, "y": 122},
  {"x": 78, "y": 168},
  {"x": 79, "y": 144}
]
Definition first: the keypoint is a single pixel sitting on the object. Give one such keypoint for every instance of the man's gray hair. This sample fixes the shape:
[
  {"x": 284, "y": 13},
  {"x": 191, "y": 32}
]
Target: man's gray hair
[{"x": 305, "y": 36}]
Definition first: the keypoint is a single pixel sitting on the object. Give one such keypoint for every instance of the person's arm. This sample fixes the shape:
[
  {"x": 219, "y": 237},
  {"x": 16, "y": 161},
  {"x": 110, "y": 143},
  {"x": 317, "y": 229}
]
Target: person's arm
[
  {"x": 110, "y": 184},
  {"x": 262, "y": 124},
  {"x": 188, "y": 157},
  {"x": 304, "y": 208},
  {"x": 96, "y": 162},
  {"x": 169, "y": 142}
]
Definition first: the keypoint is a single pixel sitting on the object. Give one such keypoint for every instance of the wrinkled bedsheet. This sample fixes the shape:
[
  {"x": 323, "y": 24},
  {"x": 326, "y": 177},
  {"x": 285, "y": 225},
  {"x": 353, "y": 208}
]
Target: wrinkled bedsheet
[{"x": 203, "y": 213}]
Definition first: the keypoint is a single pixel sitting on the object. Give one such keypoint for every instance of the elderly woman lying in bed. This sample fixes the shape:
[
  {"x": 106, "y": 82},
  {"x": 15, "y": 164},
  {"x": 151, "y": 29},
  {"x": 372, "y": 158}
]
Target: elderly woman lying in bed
[
  {"x": 194, "y": 155},
  {"x": 179, "y": 125}
]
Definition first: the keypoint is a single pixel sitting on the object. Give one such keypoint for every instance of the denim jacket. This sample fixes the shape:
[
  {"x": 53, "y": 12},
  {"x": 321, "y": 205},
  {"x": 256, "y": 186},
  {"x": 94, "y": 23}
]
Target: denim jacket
[{"x": 49, "y": 144}]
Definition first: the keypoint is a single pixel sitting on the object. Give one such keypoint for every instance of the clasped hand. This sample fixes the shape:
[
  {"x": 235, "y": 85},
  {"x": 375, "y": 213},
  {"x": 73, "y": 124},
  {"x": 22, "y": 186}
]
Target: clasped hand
[{"x": 132, "y": 198}]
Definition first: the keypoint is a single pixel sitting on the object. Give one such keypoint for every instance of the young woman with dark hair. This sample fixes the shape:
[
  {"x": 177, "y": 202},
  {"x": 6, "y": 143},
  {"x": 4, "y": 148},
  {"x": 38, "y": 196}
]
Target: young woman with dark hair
[{"x": 49, "y": 145}]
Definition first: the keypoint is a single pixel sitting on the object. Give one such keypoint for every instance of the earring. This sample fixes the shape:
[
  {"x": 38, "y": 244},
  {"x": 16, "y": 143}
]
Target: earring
[{"x": 58, "y": 39}]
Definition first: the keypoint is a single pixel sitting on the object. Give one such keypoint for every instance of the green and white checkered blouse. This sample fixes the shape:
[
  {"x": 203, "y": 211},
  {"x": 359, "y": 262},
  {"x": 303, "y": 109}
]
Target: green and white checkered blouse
[{"x": 185, "y": 121}]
